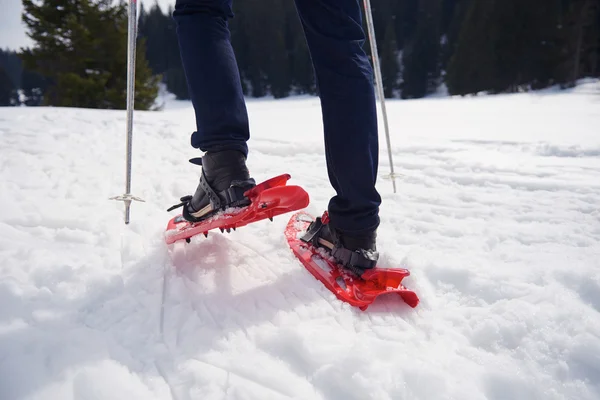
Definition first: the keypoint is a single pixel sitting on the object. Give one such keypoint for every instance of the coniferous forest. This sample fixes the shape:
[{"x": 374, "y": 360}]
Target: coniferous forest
[{"x": 467, "y": 46}]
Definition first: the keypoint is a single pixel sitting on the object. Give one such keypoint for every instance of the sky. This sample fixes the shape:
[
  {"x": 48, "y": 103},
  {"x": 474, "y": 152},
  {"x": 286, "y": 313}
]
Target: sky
[{"x": 12, "y": 30}]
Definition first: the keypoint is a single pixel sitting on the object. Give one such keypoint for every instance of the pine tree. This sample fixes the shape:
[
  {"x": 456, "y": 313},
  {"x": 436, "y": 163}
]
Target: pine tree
[
  {"x": 240, "y": 42},
  {"x": 12, "y": 66},
  {"x": 81, "y": 47},
  {"x": 277, "y": 67},
  {"x": 580, "y": 34},
  {"x": 421, "y": 57},
  {"x": 406, "y": 14},
  {"x": 175, "y": 76},
  {"x": 389, "y": 61},
  {"x": 7, "y": 89},
  {"x": 383, "y": 15},
  {"x": 162, "y": 48},
  {"x": 472, "y": 66},
  {"x": 262, "y": 56},
  {"x": 453, "y": 14},
  {"x": 300, "y": 64},
  {"x": 177, "y": 83},
  {"x": 506, "y": 46},
  {"x": 154, "y": 28},
  {"x": 34, "y": 85},
  {"x": 301, "y": 69},
  {"x": 251, "y": 22}
]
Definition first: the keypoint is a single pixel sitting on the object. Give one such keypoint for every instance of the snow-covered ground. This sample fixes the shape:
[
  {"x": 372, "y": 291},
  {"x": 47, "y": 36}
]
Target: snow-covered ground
[{"x": 497, "y": 216}]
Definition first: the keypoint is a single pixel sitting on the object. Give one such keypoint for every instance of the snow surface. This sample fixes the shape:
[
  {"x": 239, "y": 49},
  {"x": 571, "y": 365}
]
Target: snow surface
[{"x": 497, "y": 217}]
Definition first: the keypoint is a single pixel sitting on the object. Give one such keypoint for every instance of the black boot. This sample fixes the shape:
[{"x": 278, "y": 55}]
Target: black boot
[
  {"x": 223, "y": 183},
  {"x": 354, "y": 252}
]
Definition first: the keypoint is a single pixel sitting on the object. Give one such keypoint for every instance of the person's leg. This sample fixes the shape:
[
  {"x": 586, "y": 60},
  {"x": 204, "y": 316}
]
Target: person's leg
[
  {"x": 345, "y": 78},
  {"x": 221, "y": 117},
  {"x": 212, "y": 75}
]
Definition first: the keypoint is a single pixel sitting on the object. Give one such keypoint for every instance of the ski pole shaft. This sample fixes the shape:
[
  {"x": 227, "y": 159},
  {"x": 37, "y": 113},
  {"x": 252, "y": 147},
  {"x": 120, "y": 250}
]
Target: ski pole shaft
[
  {"x": 127, "y": 198},
  {"x": 131, "y": 36},
  {"x": 379, "y": 84}
]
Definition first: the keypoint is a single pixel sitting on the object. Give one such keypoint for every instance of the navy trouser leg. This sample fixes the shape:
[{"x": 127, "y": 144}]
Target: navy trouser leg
[
  {"x": 335, "y": 39},
  {"x": 212, "y": 75}
]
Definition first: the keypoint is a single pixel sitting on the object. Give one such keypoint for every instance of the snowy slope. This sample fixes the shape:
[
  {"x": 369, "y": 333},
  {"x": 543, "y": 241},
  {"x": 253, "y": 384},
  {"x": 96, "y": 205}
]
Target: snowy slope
[{"x": 497, "y": 217}]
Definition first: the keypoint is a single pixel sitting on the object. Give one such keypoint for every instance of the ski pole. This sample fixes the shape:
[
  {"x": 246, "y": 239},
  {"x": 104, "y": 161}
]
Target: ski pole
[
  {"x": 379, "y": 83},
  {"x": 127, "y": 198}
]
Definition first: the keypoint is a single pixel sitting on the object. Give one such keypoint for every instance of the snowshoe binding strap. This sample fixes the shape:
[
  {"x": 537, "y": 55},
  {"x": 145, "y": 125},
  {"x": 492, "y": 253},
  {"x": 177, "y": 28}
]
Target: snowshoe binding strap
[
  {"x": 212, "y": 196},
  {"x": 184, "y": 200},
  {"x": 311, "y": 234},
  {"x": 214, "y": 199},
  {"x": 233, "y": 196},
  {"x": 356, "y": 261}
]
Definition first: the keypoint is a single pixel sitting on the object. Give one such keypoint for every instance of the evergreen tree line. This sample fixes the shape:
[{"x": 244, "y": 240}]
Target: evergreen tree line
[
  {"x": 79, "y": 58},
  {"x": 468, "y": 45},
  {"x": 19, "y": 85}
]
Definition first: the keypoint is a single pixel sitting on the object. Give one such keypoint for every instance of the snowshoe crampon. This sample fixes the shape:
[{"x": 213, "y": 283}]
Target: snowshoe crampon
[
  {"x": 268, "y": 199},
  {"x": 357, "y": 291}
]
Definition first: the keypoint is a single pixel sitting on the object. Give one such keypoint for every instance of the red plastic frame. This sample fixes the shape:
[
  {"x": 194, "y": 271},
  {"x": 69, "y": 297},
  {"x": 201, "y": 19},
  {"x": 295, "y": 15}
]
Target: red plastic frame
[
  {"x": 268, "y": 199},
  {"x": 359, "y": 292}
]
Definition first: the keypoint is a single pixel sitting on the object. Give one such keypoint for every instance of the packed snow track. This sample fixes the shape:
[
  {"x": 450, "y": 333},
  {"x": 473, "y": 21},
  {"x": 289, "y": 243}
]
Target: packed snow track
[{"x": 497, "y": 217}]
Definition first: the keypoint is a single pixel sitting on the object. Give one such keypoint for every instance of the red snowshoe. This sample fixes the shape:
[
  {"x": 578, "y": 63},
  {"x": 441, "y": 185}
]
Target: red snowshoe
[
  {"x": 359, "y": 291},
  {"x": 267, "y": 200}
]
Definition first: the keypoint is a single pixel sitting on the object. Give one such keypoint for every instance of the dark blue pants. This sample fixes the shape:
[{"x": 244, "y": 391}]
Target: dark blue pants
[{"x": 345, "y": 79}]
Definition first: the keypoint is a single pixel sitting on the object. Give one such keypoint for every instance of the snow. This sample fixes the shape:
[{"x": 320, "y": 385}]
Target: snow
[{"x": 497, "y": 217}]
